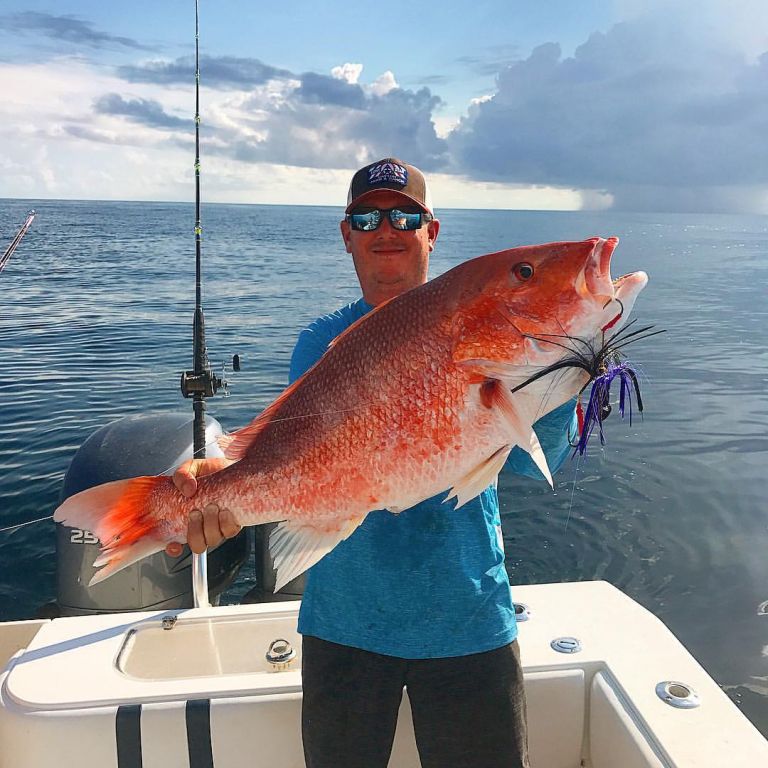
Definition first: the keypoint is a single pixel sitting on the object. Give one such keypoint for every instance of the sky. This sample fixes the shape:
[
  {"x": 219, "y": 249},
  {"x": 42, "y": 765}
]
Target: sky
[{"x": 643, "y": 105}]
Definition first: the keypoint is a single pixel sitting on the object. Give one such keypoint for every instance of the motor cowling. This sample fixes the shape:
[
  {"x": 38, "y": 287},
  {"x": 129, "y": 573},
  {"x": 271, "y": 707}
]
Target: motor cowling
[{"x": 148, "y": 444}]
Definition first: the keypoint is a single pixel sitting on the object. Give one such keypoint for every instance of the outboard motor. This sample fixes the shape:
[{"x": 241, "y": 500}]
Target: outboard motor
[{"x": 150, "y": 444}]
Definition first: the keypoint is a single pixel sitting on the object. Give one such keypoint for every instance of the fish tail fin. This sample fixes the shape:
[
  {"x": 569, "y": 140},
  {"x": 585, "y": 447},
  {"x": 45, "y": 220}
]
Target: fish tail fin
[
  {"x": 114, "y": 560},
  {"x": 120, "y": 515}
]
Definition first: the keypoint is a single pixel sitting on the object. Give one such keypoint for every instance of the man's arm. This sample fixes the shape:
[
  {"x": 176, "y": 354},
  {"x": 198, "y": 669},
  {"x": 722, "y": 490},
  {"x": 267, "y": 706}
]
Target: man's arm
[{"x": 310, "y": 347}]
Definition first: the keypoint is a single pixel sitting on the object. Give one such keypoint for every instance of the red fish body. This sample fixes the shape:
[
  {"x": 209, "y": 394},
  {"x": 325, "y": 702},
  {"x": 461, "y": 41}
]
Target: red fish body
[{"x": 412, "y": 400}]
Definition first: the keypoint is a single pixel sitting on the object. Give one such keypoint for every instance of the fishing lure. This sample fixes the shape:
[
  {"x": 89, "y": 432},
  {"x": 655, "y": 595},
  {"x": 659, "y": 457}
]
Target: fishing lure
[
  {"x": 603, "y": 365},
  {"x": 599, "y": 406}
]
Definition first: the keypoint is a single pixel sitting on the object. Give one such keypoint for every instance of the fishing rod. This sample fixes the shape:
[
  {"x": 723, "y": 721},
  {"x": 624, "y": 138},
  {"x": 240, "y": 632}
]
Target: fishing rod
[
  {"x": 199, "y": 383},
  {"x": 6, "y": 257}
]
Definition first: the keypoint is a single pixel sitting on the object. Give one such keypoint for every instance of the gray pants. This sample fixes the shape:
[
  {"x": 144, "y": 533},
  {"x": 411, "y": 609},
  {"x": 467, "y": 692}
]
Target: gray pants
[{"x": 468, "y": 711}]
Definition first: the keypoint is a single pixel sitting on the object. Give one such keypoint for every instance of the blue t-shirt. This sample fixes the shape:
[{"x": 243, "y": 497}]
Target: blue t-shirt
[{"x": 426, "y": 583}]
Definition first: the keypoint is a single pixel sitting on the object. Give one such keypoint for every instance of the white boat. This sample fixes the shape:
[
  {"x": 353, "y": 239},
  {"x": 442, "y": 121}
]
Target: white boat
[{"x": 608, "y": 686}]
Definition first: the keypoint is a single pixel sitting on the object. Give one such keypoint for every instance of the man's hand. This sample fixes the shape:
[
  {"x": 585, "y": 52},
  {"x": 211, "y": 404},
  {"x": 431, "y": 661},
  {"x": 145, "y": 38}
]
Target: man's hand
[{"x": 211, "y": 525}]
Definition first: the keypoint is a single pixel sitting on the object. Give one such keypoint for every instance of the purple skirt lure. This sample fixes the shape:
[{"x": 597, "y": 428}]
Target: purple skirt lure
[{"x": 598, "y": 406}]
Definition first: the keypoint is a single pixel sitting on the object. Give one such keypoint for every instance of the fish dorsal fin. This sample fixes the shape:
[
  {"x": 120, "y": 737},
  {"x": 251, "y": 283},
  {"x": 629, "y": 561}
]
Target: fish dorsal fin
[
  {"x": 479, "y": 478},
  {"x": 297, "y": 546},
  {"x": 519, "y": 413},
  {"x": 223, "y": 441}
]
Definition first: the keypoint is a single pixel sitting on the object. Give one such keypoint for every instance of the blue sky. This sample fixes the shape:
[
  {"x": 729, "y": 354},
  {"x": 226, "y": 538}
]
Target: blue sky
[{"x": 652, "y": 105}]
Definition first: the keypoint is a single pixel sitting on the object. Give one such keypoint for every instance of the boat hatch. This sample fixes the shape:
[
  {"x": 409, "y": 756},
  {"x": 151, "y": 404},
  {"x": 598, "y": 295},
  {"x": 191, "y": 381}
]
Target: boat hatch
[{"x": 203, "y": 647}]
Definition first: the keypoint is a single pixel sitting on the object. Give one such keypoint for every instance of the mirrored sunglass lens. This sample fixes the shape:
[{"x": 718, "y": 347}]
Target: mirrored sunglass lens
[
  {"x": 404, "y": 220},
  {"x": 366, "y": 221}
]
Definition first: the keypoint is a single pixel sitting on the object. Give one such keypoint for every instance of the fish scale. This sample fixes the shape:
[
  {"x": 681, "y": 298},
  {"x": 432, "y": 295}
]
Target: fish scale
[{"x": 411, "y": 400}]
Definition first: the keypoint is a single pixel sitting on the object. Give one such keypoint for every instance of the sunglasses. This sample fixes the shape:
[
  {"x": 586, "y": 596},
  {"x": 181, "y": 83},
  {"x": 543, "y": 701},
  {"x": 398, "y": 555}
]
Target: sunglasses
[{"x": 367, "y": 221}]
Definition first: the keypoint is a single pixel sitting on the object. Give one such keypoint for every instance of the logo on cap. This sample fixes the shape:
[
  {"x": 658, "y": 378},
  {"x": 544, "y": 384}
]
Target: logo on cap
[{"x": 384, "y": 173}]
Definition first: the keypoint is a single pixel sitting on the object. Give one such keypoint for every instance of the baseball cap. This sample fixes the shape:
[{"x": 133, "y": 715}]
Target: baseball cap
[{"x": 389, "y": 173}]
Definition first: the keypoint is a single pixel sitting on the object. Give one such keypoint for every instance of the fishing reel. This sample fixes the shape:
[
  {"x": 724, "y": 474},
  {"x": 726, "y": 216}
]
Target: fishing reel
[{"x": 207, "y": 382}]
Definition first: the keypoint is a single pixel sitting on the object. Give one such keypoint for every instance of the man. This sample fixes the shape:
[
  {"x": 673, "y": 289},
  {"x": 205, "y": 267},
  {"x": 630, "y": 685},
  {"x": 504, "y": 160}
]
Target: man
[{"x": 421, "y": 599}]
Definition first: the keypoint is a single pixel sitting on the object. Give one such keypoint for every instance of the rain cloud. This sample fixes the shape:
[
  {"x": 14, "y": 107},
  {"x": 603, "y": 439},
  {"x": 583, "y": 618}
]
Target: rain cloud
[{"x": 647, "y": 112}]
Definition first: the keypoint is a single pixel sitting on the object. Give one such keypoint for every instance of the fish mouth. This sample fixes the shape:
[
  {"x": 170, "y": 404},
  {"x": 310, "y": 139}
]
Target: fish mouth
[
  {"x": 626, "y": 290},
  {"x": 616, "y": 297},
  {"x": 597, "y": 270}
]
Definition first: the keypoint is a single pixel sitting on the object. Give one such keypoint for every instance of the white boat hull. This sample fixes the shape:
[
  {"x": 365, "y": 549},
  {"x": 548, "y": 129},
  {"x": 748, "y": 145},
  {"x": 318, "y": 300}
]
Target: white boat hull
[{"x": 118, "y": 690}]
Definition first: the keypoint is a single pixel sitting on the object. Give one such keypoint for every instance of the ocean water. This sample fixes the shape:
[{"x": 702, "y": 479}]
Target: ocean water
[{"x": 95, "y": 324}]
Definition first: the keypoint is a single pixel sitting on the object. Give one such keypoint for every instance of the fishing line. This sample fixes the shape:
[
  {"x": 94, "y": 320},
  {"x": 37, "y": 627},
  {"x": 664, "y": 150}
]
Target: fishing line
[
  {"x": 29, "y": 522},
  {"x": 208, "y": 444},
  {"x": 573, "y": 492},
  {"x": 215, "y": 441}
]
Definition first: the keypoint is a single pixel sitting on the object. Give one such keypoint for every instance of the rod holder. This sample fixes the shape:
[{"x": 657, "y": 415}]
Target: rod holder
[{"x": 200, "y": 580}]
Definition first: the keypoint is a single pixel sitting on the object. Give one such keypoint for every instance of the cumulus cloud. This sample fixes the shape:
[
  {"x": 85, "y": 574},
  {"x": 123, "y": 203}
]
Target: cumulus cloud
[
  {"x": 321, "y": 89},
  {"x": 311, "y": 120},
  {"x": 215, "y": 71},
  {"x": 329, "y": 123},
  {"x": 383, "y": 84},
  {"x": 644, "y": 111},
  {"x": 348, "y": 72},
  {"x": 65, "y": 29}
]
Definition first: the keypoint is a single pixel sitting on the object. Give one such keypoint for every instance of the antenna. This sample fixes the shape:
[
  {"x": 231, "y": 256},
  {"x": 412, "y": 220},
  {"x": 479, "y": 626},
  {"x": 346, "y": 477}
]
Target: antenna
[{"x": 6, "y": 257}]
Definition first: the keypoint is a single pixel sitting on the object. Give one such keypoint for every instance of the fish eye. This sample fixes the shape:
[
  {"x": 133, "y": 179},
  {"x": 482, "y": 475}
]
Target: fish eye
[{"x": 523, "y": 271}]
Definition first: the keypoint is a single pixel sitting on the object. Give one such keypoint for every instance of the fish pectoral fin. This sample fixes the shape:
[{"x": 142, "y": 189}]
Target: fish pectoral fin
[
  {"x": 562, "y": 386},
  {"x": 519, "y": 413},
  {"x": 479, "y": 478},
  {"x": 510, "y": 374},
  {"x": 295, "y": 547}
]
